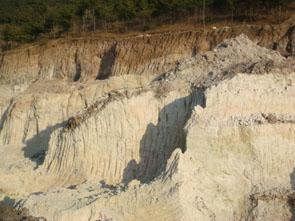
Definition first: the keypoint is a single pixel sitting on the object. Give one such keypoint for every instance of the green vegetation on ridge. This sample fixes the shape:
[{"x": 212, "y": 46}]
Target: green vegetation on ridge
[{"x": 25, "y": 20}]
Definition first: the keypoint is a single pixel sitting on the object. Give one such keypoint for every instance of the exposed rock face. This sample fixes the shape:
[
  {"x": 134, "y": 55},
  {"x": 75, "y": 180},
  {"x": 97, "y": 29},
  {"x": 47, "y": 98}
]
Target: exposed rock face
[
  {"x": 234, "y": 151},
  {"x": 210, "y": 139},
  {"x": 237, "y": 165},
  {"x": 147, "y": 139}
]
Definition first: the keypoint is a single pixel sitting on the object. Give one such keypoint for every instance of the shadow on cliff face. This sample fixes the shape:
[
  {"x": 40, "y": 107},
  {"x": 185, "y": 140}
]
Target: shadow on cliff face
[
  {"x": 6, "y": 113},
  {"x": 37, "y": 146},
  {"x": 9, "y": 213},
  {"x": 291, "y": 41},
  {"x": 77, "y": 75},
  {"x": 159, "y": 141},
  {"x": 130, "y": 172},
  {"x": 291, "y": 200},
  {"x": 107, "y": 63}
]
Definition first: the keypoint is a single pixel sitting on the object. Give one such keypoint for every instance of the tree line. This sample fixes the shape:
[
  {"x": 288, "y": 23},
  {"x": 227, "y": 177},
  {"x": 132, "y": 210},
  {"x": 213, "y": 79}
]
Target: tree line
[{"x": 25, "y": 20}]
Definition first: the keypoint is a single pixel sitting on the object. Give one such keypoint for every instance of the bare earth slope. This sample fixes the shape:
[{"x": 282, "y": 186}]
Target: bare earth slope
[
  {"x": 95, "y": 58},
  {"x": 210, "y": 139}
]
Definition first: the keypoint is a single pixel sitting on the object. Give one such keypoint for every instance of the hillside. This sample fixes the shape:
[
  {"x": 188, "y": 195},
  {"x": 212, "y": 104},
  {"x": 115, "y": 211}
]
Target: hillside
[
  {"x": 178, "y": 124},
  {"x": 23, "y": 21}
]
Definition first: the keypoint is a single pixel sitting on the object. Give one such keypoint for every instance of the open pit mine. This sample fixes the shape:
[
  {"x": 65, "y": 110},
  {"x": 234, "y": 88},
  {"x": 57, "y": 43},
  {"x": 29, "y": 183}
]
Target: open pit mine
[{"x": 176, "y": 126}]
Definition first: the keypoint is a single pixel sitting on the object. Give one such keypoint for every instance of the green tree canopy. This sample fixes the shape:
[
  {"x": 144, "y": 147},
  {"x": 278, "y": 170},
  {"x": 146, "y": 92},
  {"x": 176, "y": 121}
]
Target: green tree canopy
[{"x": 24, "y": 20}]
